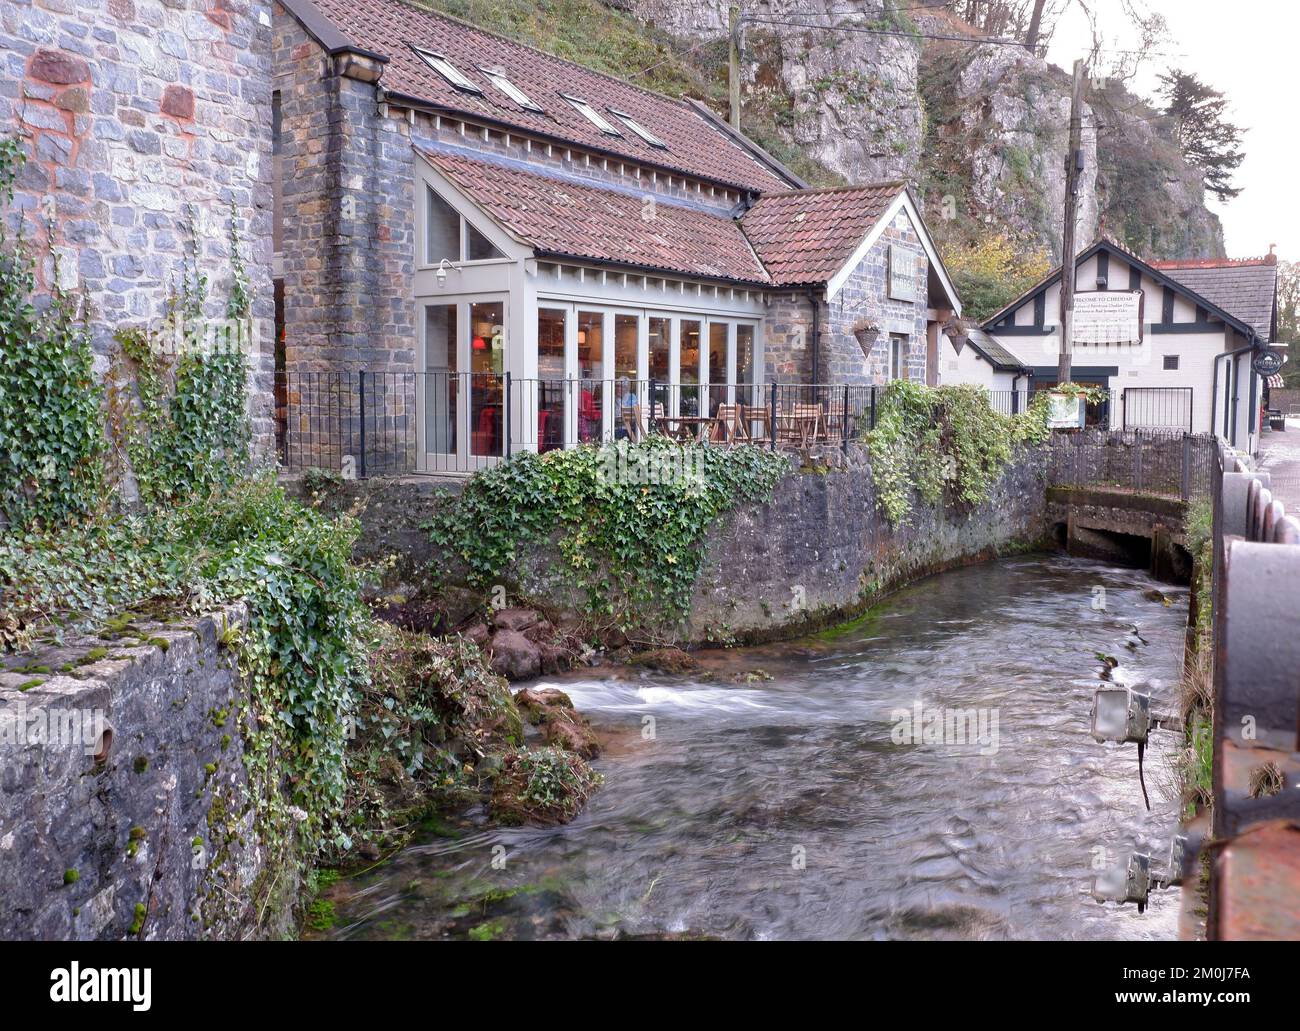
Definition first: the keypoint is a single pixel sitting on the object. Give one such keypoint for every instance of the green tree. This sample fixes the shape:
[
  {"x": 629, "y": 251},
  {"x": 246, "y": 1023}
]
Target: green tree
[
  {"x": 1288, "y": 318},
  {"x": 1206, "y": 138}
]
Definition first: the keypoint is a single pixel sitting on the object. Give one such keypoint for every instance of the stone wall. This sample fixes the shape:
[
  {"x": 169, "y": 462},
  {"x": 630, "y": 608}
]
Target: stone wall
[
  {"x": 151, "y": 838},
  {"x": 866, "y": 295},
  {"x": 136, "y": 115},
  {"x": 821, "y": 550},
  {"x": 818, "y": 552}
]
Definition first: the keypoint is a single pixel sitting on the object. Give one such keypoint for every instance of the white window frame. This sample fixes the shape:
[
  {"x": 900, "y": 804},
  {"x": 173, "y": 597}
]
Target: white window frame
[
  {"x": 501, "y": 82},
  {"x": 592, "y": 115},
  {"x": 443, "y": 66},
  {"x": 639, "y": 129}
]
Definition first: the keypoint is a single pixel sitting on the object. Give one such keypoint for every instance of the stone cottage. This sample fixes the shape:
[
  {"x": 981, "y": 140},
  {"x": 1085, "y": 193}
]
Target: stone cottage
[{"x": 480, "y": 246}]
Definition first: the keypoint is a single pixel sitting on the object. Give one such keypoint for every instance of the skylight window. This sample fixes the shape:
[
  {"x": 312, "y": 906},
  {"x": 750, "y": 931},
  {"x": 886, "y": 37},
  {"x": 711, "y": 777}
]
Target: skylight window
[
  {"x": 512, "y": 91},
  {"x": 447, "y": 70},
  {"x": 639, "y": 129},
  {"x": 592, "y": 115}
]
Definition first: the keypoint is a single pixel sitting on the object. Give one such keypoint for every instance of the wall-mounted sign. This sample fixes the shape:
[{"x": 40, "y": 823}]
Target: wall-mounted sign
[
  {"x": 902, "y": 273},
  {"x": 1266, "y": 362},
  {"x": 1108, "y": 317},
  {"x": 1065, "y": 411}
]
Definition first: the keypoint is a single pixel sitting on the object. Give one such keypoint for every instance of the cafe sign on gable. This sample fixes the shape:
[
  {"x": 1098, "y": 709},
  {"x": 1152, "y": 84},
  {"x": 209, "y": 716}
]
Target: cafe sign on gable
[{"x": 902, "y": 274}]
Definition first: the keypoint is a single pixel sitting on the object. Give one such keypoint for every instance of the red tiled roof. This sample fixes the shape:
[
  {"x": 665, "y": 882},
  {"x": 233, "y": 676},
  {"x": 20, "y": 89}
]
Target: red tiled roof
[
  {"x": 806, "y": 236},
  {"x": 694, "y": 146},
  {"x": 558, "y": 217}
]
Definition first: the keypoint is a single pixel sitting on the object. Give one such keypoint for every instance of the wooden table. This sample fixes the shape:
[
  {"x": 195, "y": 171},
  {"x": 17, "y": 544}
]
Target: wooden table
[{"x": 685, "y": 427}]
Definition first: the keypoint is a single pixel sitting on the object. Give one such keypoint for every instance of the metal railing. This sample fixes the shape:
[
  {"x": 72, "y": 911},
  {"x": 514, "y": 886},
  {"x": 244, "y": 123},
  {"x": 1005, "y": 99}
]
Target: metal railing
[
  {"x": 364, "y": 423},
  {"x": 1167, "y": 408},
  {"x": 1144, "y": 461}
]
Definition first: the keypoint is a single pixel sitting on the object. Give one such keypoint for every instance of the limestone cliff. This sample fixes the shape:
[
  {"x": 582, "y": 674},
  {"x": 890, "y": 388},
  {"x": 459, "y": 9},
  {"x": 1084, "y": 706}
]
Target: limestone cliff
[{"x": 981, "y": 129}]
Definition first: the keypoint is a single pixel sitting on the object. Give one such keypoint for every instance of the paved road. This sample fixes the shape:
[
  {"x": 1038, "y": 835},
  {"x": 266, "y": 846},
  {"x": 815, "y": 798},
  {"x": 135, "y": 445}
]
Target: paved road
[{"x": 1279, "y": 455}]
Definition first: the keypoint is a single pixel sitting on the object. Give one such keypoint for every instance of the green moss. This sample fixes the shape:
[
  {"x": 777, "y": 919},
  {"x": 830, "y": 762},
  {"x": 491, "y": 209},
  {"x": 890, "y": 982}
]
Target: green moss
[
  {"x": 160, "y": 642},
  {"x": 321, "y": 915},
  {"x": 141, "y": 763},
  {"x": 488, "y": 931},
  {"x": 70, "y": 876},
  {"x": 27, "y": 685},
  {"x": 137, "y": 925}
]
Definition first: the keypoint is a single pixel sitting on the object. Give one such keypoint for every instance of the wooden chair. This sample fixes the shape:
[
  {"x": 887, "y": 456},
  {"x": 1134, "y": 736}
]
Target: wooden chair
[
  {"x": 729, "y": 426},
  {"x": 758, "y": 423}
]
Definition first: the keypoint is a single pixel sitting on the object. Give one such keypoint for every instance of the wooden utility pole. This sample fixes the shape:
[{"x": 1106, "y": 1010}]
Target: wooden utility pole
[
  {"x": 733, "y": 63},
  {"x": 1073, "y": 166}
]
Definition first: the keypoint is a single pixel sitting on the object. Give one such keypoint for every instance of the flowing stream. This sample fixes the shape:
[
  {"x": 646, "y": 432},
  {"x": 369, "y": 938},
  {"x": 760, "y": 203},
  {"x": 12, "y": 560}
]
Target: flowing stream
[{"x": 738, "y": 806}]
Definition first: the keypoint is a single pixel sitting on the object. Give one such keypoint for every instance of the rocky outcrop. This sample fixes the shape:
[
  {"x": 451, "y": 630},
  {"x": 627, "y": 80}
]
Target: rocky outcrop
[
  {"x": 981, "y": 129},
  {"x": 847, "y": 100}
]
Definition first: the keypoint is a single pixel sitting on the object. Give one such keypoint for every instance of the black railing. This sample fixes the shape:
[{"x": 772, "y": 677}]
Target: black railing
[
  {"x": 1144, "y": 461},
  {"x": 1158, "y": 408},
  {"x": 364, "y": 423}
]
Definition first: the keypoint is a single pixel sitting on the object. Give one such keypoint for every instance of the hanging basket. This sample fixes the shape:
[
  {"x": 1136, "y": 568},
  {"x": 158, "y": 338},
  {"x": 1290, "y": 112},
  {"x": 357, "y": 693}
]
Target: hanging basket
[
  {"x": 958, "y": 330},
  {"x": 866, "y": 332}
]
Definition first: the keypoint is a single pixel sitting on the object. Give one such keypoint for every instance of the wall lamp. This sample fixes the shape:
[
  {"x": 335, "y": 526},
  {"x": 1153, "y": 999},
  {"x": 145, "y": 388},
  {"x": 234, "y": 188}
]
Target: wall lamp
[
  {"x": 440, "y": 274},
  {"x": 1134, "y": 881}
]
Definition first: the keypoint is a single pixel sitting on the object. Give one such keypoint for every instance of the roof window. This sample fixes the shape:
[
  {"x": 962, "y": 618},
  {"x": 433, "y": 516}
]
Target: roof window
[
  {"x": 446, "y": 69},
  {"x": 639, "y": 129},
  {"x": 499, "y": 80},
  {"x": 592, "y": 115}
]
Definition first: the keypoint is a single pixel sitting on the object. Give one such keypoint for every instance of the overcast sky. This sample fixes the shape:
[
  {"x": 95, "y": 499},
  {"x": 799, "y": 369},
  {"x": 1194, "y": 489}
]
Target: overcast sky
[{"x": 1247, "y": 49}]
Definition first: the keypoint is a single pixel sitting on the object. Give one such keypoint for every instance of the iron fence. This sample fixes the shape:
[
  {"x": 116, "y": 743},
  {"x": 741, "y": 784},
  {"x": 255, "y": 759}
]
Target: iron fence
[
  {"x": 364, "y": 423},
  {"x": 1157, "y": 408},
  {"x": 1143, "y": 461}
]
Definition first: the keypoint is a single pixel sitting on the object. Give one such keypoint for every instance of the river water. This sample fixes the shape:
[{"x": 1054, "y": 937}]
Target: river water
[{"x": 737, "y": 806}]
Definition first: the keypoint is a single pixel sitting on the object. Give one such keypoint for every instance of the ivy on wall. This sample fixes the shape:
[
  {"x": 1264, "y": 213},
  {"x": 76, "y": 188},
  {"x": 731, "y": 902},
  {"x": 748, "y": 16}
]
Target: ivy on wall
[
  {"x": 51, "y": 435},
  {"x": 179, "y": 401},
  {"x": 628, "y": 520},
  {"x": 932, "y": 441},
  {"x": 203, "y": 533}
]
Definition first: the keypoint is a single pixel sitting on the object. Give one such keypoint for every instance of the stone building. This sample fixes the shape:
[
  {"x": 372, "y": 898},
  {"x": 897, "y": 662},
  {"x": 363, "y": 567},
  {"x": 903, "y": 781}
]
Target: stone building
[
  {"x": 140, "y": 119},
  {"x": 516, "y": 249}
]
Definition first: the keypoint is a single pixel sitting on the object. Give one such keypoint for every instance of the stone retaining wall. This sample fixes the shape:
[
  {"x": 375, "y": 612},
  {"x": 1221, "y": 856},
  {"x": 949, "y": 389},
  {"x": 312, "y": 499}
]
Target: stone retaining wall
[
  {"x": 822, "y": 551},
  {"x": 152, "y": 837}
]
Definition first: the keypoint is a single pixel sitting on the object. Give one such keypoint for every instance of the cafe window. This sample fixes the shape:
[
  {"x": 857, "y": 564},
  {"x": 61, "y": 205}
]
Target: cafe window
[
  {"x": 691, "y": 337},
  {"x": 717, "y": 365},
  {"x": 744, "y": 358},
  {"x": 440, "y": 381},
  {"x": 550, "y": 378},
  {"x": 591, "y": 365},
  {"x": 487, "y": 359}
]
